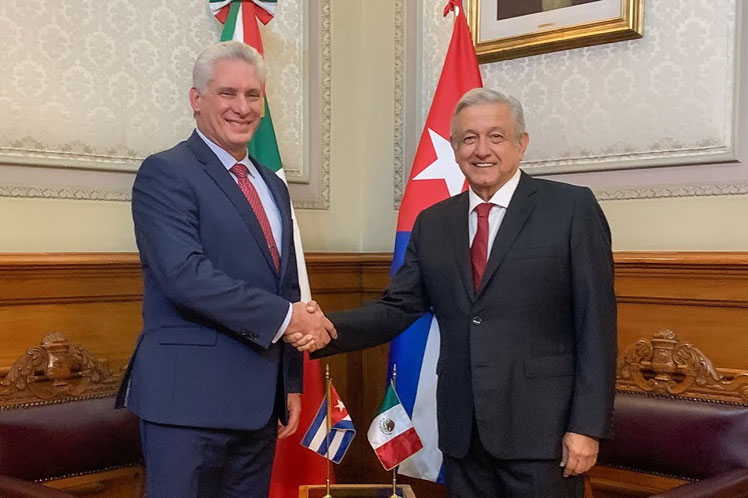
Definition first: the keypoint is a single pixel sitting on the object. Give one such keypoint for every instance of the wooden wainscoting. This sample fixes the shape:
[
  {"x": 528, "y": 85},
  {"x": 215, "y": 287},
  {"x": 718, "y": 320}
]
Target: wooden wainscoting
[
  {"x": 94, "y": 299},
  {"x": 68, "y": 324},
  {"x": 698, "y": 300},
  {"x": 702, "y": 297}
]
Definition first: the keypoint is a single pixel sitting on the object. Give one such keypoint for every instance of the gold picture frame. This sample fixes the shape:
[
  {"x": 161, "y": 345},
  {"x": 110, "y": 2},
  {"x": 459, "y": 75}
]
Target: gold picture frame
[{"x": 592, "y": 23}]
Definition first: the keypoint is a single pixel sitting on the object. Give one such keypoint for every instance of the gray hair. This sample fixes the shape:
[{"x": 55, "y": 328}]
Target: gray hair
[
  {"x": 205, "y": 63},
  {"x": 478, "y": 96}
]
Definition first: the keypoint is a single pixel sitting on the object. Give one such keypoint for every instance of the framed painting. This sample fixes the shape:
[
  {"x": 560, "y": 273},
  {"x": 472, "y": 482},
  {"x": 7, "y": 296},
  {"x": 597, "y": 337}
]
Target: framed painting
[{"x": 508, "y": 29}]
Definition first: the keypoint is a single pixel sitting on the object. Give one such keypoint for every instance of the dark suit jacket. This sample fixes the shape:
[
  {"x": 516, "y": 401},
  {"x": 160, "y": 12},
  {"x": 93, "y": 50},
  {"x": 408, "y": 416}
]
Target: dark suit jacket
[
  {"x": 532, "y": 354},
  {"x": 213, "y": 300}
]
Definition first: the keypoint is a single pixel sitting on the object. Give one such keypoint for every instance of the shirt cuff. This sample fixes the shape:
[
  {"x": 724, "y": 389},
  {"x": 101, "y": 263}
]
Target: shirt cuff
[{"x": 284, "y": 325}]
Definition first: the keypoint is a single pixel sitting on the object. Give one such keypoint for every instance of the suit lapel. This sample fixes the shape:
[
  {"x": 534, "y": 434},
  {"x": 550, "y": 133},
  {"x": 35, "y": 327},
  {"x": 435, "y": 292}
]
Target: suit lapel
[
  {"x": 458, "y": 221},
  {"x": 520, "y": 208},
  {"x": 223, "y": 179}
]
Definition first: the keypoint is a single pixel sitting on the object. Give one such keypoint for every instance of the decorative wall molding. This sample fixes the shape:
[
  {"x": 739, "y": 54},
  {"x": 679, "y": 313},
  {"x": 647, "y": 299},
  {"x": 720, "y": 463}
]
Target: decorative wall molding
[
  {"x": 325, "y": 103},
  {"x": 662, "y": 191},
  {"x": 64, "y": 192},
  {"x": 665, "y": 365},
  {"x": 57, "y": 369},
  {"x": 32, "y": 152},
  {"x": 313, "y": 192},
  {"x": 399, "y": 73}
]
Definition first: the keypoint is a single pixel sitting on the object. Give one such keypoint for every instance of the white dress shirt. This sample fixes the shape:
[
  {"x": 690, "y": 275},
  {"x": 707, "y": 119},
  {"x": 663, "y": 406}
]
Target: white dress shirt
[{"x": 500, "y": 200}]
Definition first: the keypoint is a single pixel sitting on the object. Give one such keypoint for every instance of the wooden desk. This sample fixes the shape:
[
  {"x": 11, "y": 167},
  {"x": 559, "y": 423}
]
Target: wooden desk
[{"x": 356, "y": 491}]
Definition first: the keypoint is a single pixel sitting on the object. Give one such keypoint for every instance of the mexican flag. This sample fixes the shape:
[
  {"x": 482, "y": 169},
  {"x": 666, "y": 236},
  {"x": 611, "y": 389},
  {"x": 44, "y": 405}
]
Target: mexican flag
[
  {"x": 293, "y": 465},
  {"x": 391, "y": 433}
]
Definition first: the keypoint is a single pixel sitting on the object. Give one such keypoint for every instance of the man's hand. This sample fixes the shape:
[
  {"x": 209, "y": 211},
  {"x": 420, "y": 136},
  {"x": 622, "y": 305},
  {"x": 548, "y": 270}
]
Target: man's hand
[
  {"x": 294, "y": 412},
  {"x": 579, "y": 453},
  {"x": 309, "y": 329}
]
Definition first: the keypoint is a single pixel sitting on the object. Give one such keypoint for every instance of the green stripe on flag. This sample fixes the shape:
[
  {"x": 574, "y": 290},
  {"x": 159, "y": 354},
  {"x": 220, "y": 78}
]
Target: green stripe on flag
[
  {"x": 230, "y": 25},
  {"x": 390, "y": 400},
  {"x": 264, "y": 146}
]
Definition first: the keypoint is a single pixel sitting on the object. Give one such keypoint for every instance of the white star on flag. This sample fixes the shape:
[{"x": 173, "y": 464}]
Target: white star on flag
[
  {"x": 340, "y": 406},
  {"x": 445, "y": 167}
]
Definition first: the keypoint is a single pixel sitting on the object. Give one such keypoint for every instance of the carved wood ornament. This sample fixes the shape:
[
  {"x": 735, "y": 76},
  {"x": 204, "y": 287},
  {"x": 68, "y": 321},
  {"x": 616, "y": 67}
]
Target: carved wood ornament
[
  {"x": 53, "y": 371},
  {"x": 666, "y": 366}
]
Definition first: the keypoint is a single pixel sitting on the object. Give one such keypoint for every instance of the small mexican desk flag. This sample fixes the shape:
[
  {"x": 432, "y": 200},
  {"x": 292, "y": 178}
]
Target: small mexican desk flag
[{"x": 391, "y": 433}]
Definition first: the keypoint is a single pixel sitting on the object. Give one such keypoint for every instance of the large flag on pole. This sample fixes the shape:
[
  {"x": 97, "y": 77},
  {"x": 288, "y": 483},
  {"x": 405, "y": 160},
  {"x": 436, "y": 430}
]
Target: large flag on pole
[
  {"x": 433, "y": 177},
  {"x": 293, "y": 466}
]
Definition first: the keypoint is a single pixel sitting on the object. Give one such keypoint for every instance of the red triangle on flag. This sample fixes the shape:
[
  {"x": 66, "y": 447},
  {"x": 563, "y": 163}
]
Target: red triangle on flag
[{"x": 460, "y": 73}]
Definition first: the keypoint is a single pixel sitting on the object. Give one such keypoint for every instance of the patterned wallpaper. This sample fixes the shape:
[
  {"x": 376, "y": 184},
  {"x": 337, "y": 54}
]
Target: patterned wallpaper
[
  {"x": 669, "y": 98},
  {"x": 100, "y": 85}
]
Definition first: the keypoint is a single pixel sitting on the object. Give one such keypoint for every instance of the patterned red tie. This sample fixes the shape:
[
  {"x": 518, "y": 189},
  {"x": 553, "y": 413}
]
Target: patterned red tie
[
  {"x": 240, "y": 171},
  {"x": 479, "y": 249}
]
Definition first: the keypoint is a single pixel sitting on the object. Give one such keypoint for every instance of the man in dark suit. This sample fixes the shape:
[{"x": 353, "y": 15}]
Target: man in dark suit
[
  {"x": 519, "y": 274},
  {"x": 210, "y": 379}
]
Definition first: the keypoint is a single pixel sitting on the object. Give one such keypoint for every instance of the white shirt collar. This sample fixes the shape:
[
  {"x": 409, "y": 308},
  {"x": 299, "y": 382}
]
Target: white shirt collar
[
  {"x": 502, "y": 197},
  {"x": 226, "y": 159}
]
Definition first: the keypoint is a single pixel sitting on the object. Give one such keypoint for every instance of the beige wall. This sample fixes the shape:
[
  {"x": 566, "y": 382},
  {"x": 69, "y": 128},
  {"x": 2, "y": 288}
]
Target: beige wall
[
  {"x": 679, "y": 224},
  {"x": 56, "y": 225},
  {"x": 361, "y": 217}
]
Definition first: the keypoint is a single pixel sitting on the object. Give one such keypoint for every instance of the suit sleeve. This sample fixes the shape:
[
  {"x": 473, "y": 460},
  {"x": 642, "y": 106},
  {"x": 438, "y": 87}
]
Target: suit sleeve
[
  {"x": 295, "y": 359},
  {"x": 594, "y": 308},
  {"x": 403, "y": 302},
  {"x": 166, "y": 218}
]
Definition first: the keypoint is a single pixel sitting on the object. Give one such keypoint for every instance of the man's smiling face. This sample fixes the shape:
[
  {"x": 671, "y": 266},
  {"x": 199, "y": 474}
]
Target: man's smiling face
[
  {"x": 229, "y": 109},
  {"x": 487, "y": 147}
]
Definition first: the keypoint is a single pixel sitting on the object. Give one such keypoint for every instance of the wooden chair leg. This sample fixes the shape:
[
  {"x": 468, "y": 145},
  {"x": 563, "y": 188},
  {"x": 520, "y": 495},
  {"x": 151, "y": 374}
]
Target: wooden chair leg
[{"x": 588, "y": 488}]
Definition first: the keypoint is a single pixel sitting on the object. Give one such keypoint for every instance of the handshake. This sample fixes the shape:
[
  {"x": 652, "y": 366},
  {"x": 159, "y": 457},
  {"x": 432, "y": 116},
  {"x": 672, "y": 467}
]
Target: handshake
[{"x": 309, "y": 329}]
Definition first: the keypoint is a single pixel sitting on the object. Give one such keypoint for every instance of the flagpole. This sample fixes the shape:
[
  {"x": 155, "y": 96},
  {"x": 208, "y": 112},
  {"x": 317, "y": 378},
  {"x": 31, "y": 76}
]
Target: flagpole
[
  {"x": 328, "y": 419},
  {"x": 394, "y": 470}
]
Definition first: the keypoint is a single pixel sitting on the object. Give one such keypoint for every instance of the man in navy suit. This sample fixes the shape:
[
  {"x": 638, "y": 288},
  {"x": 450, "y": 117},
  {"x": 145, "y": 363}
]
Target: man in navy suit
[
  {"x": 211, "y": 379},
  {"x": 519, "y": 273}
]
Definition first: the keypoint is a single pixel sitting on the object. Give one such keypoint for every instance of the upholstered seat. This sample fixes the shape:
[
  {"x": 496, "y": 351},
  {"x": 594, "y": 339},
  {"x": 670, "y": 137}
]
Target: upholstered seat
[
  {"x": 681, "y": 425},
  {"x": 682, "y": 438},
  {"x": 10, "y": 487},
  {"x": 58, "y": 425},
  {"x": 66, "y": 439}
]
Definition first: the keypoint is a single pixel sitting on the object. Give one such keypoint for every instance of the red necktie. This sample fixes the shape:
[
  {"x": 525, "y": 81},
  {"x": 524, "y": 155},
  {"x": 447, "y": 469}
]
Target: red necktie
[
  {"x": 479, "y": 249},
  {"x": 240, "y": 171}
]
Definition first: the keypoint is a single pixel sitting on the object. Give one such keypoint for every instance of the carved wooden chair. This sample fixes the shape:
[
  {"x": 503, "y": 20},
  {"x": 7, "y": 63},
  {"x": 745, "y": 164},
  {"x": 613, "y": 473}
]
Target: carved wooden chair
[
  {"x": 58, "y": 426},
  {"x": 681, "y": 426}
]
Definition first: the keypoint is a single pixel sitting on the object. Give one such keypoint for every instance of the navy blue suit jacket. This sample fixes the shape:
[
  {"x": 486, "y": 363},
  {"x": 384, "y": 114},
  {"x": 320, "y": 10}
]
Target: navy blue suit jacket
[{"x": 213, "y": 300}]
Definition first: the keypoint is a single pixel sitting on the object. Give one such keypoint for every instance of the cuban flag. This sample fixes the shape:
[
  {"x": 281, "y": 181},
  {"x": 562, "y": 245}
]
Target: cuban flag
[
  {"x": 434, "y": 176},
  {"x": 333, "y": 445}
]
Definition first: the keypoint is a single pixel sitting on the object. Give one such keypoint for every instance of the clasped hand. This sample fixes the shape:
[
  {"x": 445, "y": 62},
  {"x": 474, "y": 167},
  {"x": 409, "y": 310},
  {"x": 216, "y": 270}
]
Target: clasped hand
[{"x": 309, "y": 329}]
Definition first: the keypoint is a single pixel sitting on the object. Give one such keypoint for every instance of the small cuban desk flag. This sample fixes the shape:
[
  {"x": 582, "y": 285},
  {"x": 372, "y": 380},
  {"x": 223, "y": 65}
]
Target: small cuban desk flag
[
  {"x": 391, "y": 433},
  {"x": 333, "y": 444}
]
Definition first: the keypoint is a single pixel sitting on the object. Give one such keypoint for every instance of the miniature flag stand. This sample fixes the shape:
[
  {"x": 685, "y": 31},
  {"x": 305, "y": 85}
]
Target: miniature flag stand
[
  {"x": 331, "y": 432},
  {"x": 391, "y": 435}
]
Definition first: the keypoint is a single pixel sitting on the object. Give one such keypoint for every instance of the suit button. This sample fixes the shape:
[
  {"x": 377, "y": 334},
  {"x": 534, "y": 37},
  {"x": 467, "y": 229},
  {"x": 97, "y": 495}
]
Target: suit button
[{"x": 477, "y": 320}]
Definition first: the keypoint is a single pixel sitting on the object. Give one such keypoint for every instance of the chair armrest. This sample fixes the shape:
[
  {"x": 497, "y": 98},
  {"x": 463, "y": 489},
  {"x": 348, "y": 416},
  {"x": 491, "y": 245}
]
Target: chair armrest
[
  {"x": 10, "y": 487},
  {"x": 733, "y": 484}
]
